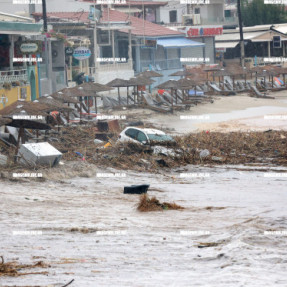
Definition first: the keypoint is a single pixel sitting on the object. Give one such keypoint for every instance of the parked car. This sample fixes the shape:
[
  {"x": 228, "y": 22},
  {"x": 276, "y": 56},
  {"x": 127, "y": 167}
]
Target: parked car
[{"x": 144, "y": 136}]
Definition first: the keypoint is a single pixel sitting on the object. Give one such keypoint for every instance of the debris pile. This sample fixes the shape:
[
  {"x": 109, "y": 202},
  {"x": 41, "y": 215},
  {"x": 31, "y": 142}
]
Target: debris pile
[
  {"x": 13, "y": 268},
  {"x": 78, "y": 144},
  {"x": 153, "y": 204}
]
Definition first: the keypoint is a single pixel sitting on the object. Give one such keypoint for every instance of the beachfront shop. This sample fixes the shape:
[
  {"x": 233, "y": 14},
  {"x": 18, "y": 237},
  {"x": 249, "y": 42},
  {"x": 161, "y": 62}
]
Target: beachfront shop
[
  {"x": 164, "y": 54},
  {"x": 260, "y": 43},
  {"x": 205, "y": 35},
  {"x": 18, "y": 77}
]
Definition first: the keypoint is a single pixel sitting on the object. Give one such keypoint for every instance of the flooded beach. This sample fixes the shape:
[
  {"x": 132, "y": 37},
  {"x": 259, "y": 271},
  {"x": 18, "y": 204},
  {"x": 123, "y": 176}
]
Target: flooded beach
[{"x": 91, "y": 232}]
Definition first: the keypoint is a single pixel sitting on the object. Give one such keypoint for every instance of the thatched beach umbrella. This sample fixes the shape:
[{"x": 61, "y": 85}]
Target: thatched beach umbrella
[
  {"x": 184, "y": 73},
  {"x": 212, "y": 70},
  {"x": 55, "y": 105},
  {"x": 222, "y": 73},
  {"x": 64, "y": 97},
  {"x": 140, "y": 81},
  {"x": 92, "y": 89},
  {"x": 23, "y": 124},
  {"x": 30, "y": 108},
  {"x": 149, "y": 74},
  {"x": 118, "y": 83},
  {"x": 4, "y": 121},
  {"x": 170, "y": 84}
]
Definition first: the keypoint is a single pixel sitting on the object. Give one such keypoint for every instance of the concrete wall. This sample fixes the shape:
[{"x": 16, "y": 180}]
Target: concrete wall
[{"x": 163, "y": 12}]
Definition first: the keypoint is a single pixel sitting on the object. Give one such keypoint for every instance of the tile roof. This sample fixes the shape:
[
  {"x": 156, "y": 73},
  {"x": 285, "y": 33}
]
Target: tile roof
[{"x": 140, "y": 27}]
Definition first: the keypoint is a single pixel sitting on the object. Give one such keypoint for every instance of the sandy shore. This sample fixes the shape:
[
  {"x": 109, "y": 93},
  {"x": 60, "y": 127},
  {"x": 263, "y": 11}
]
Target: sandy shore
[{"x": 232, "y": 113}]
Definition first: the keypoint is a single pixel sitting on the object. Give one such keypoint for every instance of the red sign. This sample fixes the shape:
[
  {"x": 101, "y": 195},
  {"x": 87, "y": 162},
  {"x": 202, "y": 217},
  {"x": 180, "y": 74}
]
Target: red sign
[{"x": 203, "y": 31}]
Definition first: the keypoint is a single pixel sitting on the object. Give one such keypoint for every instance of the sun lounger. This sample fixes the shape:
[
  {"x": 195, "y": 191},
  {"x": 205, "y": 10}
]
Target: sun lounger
[
  {"x": 219, "y": 91},
  {"x": 151, "y": 104},
  {"x": 162, "y": 101},
  {"x": 215, "y": 87},
  {"x": 259, "y": 94},
  {"x": 195, "y": 93}
]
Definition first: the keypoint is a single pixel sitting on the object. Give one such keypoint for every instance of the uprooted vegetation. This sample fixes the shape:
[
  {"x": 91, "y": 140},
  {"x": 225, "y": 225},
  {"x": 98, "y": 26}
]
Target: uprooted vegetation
[
  {"x": 14, "y": 269},
  {"x": 153, "y": 204}
]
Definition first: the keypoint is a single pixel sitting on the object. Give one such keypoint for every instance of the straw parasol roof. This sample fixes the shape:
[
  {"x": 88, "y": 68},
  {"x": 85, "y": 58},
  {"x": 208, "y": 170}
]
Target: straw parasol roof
[
  {"x": 266, "y": 73},
  {"x": 223, "y": 73},
  {"x": 170, "y": 84},
  {"x": 185, "y": 84},
  {"x": 95, "y": 87},
  {"x": 140, "y": 81},
  {"x": 211, "y": 69},
  {"x": 30, "y": 108},
  {"x": 183, "y": 73},
  {"x": 64, "y": 97},
  {"x": 150, "y": 74},
  {"x": 118, "y": 83},
  {"x": 54, "y": 104},
  {"x": 4, "y": 121}
]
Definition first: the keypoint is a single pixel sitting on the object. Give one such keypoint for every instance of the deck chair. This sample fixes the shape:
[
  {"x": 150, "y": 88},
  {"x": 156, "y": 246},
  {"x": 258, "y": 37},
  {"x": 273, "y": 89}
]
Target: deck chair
[{"x": 158, "y": 67}]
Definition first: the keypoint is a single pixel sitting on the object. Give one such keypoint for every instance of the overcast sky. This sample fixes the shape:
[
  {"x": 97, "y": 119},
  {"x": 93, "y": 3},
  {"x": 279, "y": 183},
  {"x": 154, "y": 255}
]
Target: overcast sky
[{"x": 52, "y": 6}]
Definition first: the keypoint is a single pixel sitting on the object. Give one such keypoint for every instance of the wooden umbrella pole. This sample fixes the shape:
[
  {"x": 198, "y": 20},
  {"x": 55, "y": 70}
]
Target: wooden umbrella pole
[
  {"x": 172, "y": 99},
  {"x": 81, "y": 105},
  {"x": 119, "y": 96},
  {"x": 18, "y": 143},
  {"x": 96, "y": 107},
  {"x": 127, "y": 95}
]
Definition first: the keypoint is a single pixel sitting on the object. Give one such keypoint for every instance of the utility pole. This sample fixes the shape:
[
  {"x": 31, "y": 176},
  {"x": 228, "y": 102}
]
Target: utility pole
[
  {"x": 242, "y": 53},
  {"x": 44, "y": 15}
]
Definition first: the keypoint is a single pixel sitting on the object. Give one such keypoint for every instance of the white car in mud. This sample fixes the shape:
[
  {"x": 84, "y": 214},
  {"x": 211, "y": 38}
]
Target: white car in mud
[{"x": 144, "y": 136}]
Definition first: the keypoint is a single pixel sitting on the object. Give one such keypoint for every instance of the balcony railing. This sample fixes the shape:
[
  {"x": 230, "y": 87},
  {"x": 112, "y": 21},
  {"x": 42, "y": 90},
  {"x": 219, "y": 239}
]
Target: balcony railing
[
  {"x": 219, "y": 21},
  {"x": 13, "y": 76}
]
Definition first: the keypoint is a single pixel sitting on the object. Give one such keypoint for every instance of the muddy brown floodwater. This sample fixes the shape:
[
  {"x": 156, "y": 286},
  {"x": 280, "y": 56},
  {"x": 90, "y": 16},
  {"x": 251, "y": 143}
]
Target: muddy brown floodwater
[{"x": 89, "y": 231}]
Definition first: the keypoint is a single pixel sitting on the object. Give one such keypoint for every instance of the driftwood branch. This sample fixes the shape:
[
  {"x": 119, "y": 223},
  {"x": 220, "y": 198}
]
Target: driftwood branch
[{"x": 69, "y": 283}]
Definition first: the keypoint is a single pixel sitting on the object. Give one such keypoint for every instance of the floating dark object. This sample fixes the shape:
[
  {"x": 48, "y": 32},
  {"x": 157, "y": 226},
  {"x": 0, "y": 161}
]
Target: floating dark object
[{"x": 136, "y": 189}]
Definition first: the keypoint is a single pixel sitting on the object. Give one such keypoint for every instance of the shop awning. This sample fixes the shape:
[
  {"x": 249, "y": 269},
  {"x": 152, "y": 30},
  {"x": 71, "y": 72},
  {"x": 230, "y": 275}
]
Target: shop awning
[
  {"x": 17, "y": 28},
  {"x": 226, "y": 44},
  {"x": 178, "y": 43}
]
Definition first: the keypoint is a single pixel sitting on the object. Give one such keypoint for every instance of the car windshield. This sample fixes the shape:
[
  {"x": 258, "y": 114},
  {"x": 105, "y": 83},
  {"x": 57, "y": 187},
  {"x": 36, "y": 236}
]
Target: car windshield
[{"x": 157, "y": 137}]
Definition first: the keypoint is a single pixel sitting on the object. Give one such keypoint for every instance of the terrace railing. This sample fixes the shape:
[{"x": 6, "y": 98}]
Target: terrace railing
[
  {"x": 163, "y": 64},
  {"x": 13, "y": 76}
]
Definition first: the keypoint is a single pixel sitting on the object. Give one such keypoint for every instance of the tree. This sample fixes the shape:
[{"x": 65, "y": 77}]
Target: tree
[{"x": 258, "y": 13}]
